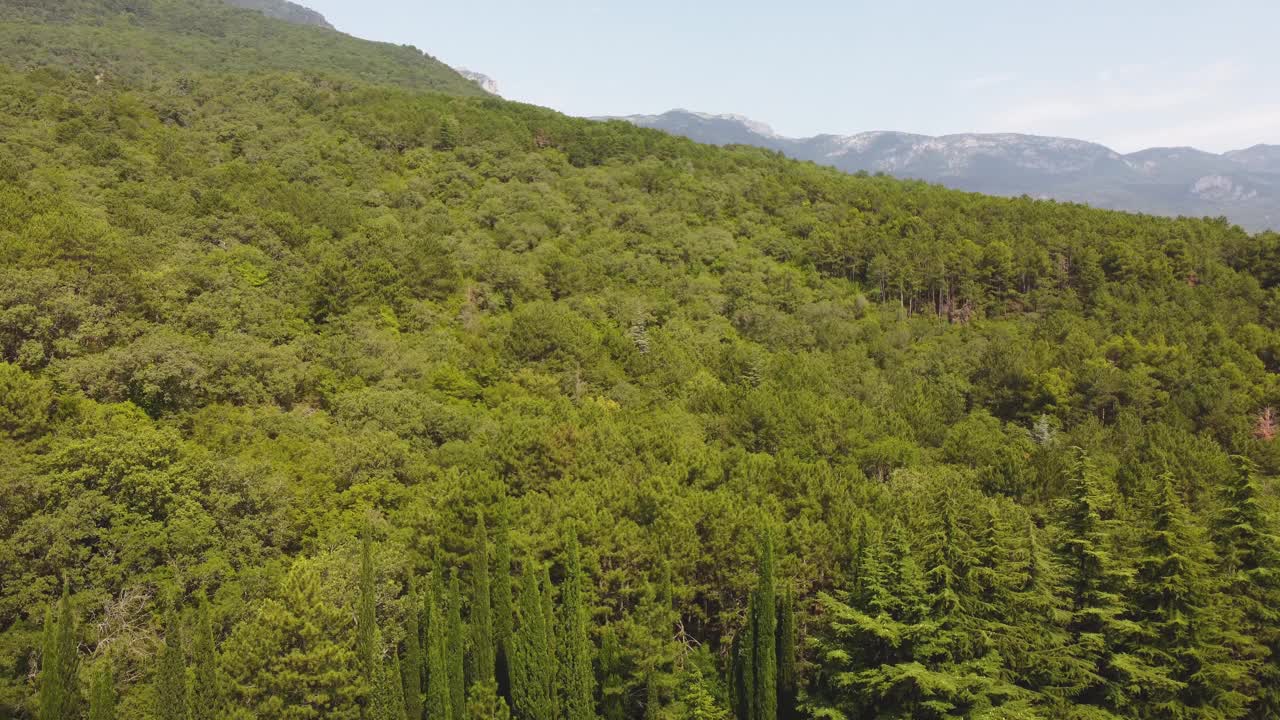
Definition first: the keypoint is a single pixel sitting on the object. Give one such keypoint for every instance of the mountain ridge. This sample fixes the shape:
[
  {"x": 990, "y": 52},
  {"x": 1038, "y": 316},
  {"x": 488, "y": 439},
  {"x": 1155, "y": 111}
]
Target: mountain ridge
[{"x": 1243, "y": 185}]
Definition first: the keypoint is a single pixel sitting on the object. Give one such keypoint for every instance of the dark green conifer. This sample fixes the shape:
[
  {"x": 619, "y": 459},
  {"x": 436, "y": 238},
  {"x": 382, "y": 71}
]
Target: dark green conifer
[
  {"x": 438, "y": 701},
  {"x": 764, "y": 663},
  {"x": 612, "y": 687},
  {"x": 503, "y": 612},
  {"x": 412, "y": 665},
  {"x": 206, "y": 694},
  {"x": 532, "y": 675},
  {"x": 59, "y": 662},
  {"x": 171, "y": 681},
  {"x": 102, "y": 693},
  {"x": 788, "y": 681},
  {"x": 577, "y": 681},
  {"x": 481, "y": 626},
  {"x": 367, "y": 618},
  {"x": 455, "y": 660}
]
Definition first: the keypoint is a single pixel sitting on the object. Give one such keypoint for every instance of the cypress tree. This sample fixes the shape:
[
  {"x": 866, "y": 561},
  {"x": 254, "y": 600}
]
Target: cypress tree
[
  {"x": 171, "y": 683},
  {"x": 102, "y": 693},
  {"x": 532, "y": 676},
  {"x": 206, "y": 695},
  {"x": 367, "y": 618},
  {"x": 577, "y": 682},
  {"x": 552, "y": 658},
  {"x": 437, "y": 651},
  {"x": 59, "y": 661},
  {"x": 411, "y": 668},
  {"x": 503, "y": 612},
  {"x": 611, "y": 688},
  {"x": 455, "y": 660},
  {"x": 788, "y": 686},
  {"x": 764, "y": 654},
  {"x": 482, "y": 631},
  {"x": 387, "y": 699}
]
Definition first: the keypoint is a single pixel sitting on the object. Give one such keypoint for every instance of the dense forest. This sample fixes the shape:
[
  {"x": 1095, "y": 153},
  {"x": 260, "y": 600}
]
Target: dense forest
[{"x": 332, "y": 388}]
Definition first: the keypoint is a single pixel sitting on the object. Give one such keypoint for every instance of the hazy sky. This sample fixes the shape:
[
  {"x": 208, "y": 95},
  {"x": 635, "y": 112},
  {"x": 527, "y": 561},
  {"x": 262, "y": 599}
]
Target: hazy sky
[{"x": 1127, "y": 73}]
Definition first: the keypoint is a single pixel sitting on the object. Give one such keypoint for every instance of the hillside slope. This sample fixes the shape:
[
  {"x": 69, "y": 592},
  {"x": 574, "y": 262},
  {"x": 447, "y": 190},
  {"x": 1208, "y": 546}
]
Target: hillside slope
[
  {"x": 306, "y": 381},
  {"x": 159, "y": 41},
  {"x": 1243, "y": 185}
]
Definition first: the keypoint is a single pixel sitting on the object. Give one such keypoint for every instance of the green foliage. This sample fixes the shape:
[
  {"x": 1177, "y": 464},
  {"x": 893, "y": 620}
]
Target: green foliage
[
  {"x": 412, "y": 662},
  {"x": 102, "y": 693},
  {"x": 171, "y": 692},
  {"x": 576, "y": 684},
  {"x": 206, "y": 690},
  {"x": 295, "y": 656},
  {"x": 532, "y": 673},
  {"x": 484, "y": 703},
  {"x": 259, "y": 289},
  {"x": 483, "y": 650},
  {"x": 59, "y": 662}
]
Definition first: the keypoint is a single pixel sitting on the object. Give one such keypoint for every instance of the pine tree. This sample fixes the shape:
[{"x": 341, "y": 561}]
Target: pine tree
[
  {"x": 503, "y": 612},
  {"x": 577, "y": 682},
  {"x": 482, "y": 631},
  {"x": 367, "y": 621},
  {"x": 438, "y": 704},
  {"x": 765, "y": 658},
  {"x": 1249, "y": 553},
  {"x": 455, "y": 661},
  {"x": 294, "y": 658},
  {"x": 59, "y": 662},
  {"x": 102, "y": 693},
  {"x": 1096, "y": 622},
  {"x": 1185, "y": 633},
  {"x": 206, "y": 694},
  {"x": 171, "y": 683},
  {"x": 532, "y": 676},
  {"x": 412, "y": 665}
]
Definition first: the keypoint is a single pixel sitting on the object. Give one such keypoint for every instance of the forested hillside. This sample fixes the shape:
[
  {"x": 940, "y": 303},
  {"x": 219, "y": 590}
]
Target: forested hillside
[{"x": 324, "y": 396}]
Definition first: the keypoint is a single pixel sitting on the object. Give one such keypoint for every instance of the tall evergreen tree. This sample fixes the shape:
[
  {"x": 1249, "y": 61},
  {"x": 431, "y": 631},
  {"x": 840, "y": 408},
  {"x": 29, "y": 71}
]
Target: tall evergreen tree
[
  {"x": 765, "y": 657},
  {"x": 59, "y": 662},
  {"x": 387, "y": 701},
  {"x": 438, "y": 701},
  {"x": 532, "y": 675},
  {"x": 577, "y": 681},
  {"x": 612, "y": 688},
  {"x": 1093, "y": 582},
  {"x": 1249, "y": 553},
  {"x": 102, "y": 693},
  {"x": 455, "y": 661},
  {"x": 481, "y": 626},
  {"x": 1180, "y": 636},
  {"x": 367, "y": 620},
  {"x": 503, "y": 612},
  {"x": 294, "y": 658},
  {"x": 412, "y": 665},
  {"x": 553, "y": 643},
  {"x": 788, "y": 681},
  {"x": 171, "y": 681},
  {"x": 206, "y": 692}
]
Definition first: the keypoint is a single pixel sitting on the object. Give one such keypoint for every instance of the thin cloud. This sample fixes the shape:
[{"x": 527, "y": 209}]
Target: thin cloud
[{"x": 983, "y": 82}]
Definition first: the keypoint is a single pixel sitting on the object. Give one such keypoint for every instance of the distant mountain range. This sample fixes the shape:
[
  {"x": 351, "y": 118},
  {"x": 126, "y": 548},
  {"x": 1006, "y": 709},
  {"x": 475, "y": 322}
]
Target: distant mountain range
[{"x": 1242, "y": 185}]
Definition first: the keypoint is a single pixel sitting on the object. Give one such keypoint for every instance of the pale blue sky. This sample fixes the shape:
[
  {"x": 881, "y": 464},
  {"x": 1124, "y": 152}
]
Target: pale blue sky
[{"x": 1127, "y": 73}]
